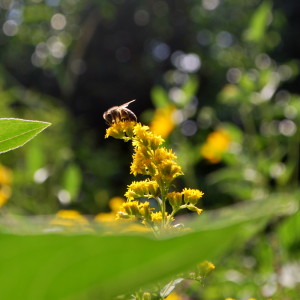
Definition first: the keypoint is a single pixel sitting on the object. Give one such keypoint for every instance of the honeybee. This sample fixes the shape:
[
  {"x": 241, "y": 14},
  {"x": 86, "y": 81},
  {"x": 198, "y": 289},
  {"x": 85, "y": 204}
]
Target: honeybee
[{"x": 119, "y": 113}]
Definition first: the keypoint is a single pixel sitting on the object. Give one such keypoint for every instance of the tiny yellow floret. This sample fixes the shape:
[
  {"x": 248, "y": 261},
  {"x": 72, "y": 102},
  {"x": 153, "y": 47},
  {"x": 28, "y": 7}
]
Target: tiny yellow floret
[{"x": 191, "y": 195}]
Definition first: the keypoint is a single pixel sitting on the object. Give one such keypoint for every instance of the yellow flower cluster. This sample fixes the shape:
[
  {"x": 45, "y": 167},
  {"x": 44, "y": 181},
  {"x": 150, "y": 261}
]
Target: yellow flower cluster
[
  {"x": 189, "y": 196},
  {"x": 201, "y": 271},
  {"x": 121, "y": 130},
  {"x": 148, "y": 158},
  {"x": 146, "y": 188},
  {"x": 205, "y": 268},
  {"x": 136, "y": 210},
  {"x": 70, "y": 218},
  {"x": 159, "y": 163},
  {"x": 5, "y": 183}
]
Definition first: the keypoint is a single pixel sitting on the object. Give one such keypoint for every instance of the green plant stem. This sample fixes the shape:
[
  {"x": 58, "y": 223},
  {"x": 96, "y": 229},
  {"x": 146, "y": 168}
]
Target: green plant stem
[
  {"x": 169, "y": 219},
  {"x": 164, "y": 190},
  {"x": 246, "y": 113}
]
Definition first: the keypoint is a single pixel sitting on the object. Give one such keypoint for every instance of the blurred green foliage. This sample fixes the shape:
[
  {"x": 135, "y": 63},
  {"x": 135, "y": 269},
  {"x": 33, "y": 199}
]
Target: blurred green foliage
[{"x": 228, "y": 89}]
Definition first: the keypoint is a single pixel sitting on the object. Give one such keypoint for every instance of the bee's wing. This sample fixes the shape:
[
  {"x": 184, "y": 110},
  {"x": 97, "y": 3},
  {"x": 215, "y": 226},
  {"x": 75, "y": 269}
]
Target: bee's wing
[{"x": 126, "y": 104}]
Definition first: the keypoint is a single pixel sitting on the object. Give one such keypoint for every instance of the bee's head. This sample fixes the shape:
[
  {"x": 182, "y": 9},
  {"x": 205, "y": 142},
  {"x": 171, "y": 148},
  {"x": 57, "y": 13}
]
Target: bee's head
[{"x": 107, "y": 116}]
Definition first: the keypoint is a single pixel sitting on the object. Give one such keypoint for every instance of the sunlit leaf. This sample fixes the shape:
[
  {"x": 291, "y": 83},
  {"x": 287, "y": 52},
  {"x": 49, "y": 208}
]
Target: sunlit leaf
[
  {"x": 35, "y": 157},
  {"x": 190, "y": 88},
  {"x": 37, "y": 13},
  {"x": 15, "y": 133},
  {"x": 259, "y": 22},
  {"x": 159, "y": 97},
  {"x": 288, "y": 233},
  {"x": 72, "y": 180}
]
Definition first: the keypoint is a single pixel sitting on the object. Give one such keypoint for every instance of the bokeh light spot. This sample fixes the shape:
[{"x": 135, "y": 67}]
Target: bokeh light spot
[
  {"x": 224, "y": 39},
  {"x": 263, "y": 61},
  {"x": 56, "y": 48},
  {"x": 161, "y": 51},
  {"x": 287, "y": 127},
  {"x": 64, "y": 197},
  {"x": 41, "y": 50},
  {"x": 41, "y": 175},
  {"x": 188, "y": 128},
  {"x": 58, "y": 21},
  {"x": 233, "y": 75},
  {"x": 176, "y": 94},
  {"x": 277, "y": 169},
  {"x": 189, "y": 63},
  {"x": 210, "y": 4},
  {"x": 10, "y": 28},
  {"x": 15, "y": 15}
]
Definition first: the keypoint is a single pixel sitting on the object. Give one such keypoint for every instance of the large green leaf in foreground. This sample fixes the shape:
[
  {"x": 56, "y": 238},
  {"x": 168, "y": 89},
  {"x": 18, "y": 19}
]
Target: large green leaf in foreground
[
  {"x": 15, "y": 133},
  {"x": 92, "y": 267},
  {"x": 95, "y": 267}
]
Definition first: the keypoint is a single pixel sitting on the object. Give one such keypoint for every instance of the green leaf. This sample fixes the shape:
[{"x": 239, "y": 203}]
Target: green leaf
[
  {"x": 90, "y": 266},
  {"x": 288, "y": 233},
  {"x": 190, "y": 88},
  {"x": 72, "y": 180},
  {"x": 37, "y": 13},
  {"x": 59, "y": 267},
  {"x": 274, "y": 205},
  {"x": 15, "y": 133},
  {"x": 35, "y": 157},
  {"x": 159, "y": 97},
  {"x": 258, "y": 23}
]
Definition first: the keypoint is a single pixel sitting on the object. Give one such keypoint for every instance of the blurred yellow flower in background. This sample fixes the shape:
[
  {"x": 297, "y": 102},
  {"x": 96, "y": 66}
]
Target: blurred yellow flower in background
[
  {"x": 115, "y": 204},
  {"x": 69, "y": 218},
  {"x": 163, "y": 121},
  {"x": 215, "y": 145},
  {"x": 5, "y": 183}
]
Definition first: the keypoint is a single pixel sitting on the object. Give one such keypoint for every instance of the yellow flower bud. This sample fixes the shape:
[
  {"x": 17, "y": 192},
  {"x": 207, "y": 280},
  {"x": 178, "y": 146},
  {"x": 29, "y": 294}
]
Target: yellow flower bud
[
  {"x": 192, "y": 207},
  {"x": 145, "y": 210},
  {"x": 205, "y": 268},
  {"x": 175, "y": 199},
  {"x": 191, "y": 195},
  {"x": 147, "y": 296}
]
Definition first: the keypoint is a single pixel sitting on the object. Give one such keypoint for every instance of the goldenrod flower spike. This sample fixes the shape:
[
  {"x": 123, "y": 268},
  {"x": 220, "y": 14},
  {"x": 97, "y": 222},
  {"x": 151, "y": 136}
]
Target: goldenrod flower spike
[{"x": 150, "y": 158}]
